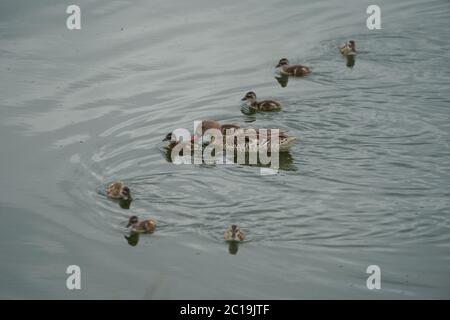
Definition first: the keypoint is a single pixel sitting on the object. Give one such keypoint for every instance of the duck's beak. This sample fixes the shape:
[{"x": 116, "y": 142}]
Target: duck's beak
[
  {"x": 165, "y": 139},
  {"x": 244, "y": 98},
  {"x": 129, "y": 224},
  {"x": 278, "y": 65}
]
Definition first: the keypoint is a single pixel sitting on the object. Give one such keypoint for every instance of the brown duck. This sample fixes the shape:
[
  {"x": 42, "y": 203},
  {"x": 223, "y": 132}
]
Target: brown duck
[
  {"x": 118, "y": 190},
  {"x": 234, "y": 233},
  {"x": 285, "y": 141},
  {"x": 348, "y": 49},
  {"x": 145, "y": 226},
  {"x": 265, "y": 105},
  {"x": 296, "y": 70}
]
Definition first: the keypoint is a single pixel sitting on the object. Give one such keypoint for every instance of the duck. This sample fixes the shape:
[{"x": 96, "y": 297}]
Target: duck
[
  {"x": 348, "y": 49},
  {"x": 234, "y": 233},
  {"x": 265, "y": 105},
  {"x": 296, "y": 70},
  {"x": 144, "y": 226},
  {"x": 285, "y": 141},
  {"x": 118, "y": 190},
  {"x": 174, "y": 140}
]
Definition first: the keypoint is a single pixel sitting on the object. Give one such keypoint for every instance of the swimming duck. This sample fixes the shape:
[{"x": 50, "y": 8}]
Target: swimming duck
[
  {"x": 174, "y": 140},
  {"x": 145, "y": 226},
  {"x": 348, "y": 49},
  {"x": 265, "y": 105},
  {"x": 285, "y": 141},
  {"x": 118, "y": 190},
  {"x": 234, "y": 233},
  {"x": 296, "y": 70}
]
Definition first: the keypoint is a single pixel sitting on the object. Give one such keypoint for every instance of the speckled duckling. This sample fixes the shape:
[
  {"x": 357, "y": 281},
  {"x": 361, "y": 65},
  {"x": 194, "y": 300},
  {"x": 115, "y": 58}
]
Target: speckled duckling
[
  {"x": 349, "y": 48},
  {"x": 145, "y": 226},
  {"x": 118, "y": 190},
  {"x": 265, "y": 105},
  {"x": 295, "y": 70},
  {"x": 174, "y": 141},
  {"x": 234, "y": 233}
]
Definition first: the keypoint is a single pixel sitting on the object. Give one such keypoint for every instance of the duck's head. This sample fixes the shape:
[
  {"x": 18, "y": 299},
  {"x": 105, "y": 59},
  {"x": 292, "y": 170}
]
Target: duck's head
[
  {"x": 125, "y": 193},
  {"x": 235, "y": 230},
  {"x": 352, "y": 45},
  {"x": 132, "y": 221},
  {"x": 173, "y": 138},
  {"x": 169, "y": 137},
  {"x": 249, "y": 96},
  {"x": 282, "y": 62}
]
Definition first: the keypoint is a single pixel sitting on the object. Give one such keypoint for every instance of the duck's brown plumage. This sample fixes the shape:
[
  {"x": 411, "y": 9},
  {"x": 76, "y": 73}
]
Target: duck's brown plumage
[
  {"x": 212, "y": 124},
  {"x": 285, "y": 141},
  {"x": 348, "y": 49},
  {"x": 118, "y": 190},
  {"x": 234, "y": 233},
  {"x": 145, "y": 226},
  {"x": 265, "y": 105},
  {"x": 295, "y": 70}
]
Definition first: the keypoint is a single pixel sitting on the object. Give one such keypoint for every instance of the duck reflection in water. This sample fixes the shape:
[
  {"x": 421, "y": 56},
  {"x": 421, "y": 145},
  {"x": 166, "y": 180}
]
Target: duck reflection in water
[
  {"x": 124, "y": 204},
  {"x": 132, "y": 238},
  {"x": 282, "y": 79},
  {"x": 233, "y": 247},
  {"x": 285, "y": 160},
  {"x": 350, "y": 60}
]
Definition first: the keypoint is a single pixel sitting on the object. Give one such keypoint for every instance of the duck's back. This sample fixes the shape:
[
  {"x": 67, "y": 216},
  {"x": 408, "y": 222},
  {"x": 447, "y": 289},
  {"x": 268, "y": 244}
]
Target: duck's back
[
  {"x": 147, "y": 226},
  {"x": 113, "y": 189},
  {"x": 298, "y": 70},
  {"x": 268, "y": 105}
]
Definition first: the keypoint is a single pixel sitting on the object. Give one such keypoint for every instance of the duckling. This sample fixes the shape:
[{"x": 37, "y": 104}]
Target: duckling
[
  {"x": 174, "y": 140},
  {"x": 145, "y": 226},
  {"x": 265, "y": 105},
  {"x": 118, "y": 190},
  {"x": 234, "y": 233},
  {"x": 348, "y": 49},
  {"x": 296, "y": 70},
  {"x": 285, "y": 141}
]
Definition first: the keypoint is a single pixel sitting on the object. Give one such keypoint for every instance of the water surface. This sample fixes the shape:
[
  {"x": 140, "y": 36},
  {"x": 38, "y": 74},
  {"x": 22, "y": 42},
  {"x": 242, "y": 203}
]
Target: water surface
[{"x": 367, "y": 183}]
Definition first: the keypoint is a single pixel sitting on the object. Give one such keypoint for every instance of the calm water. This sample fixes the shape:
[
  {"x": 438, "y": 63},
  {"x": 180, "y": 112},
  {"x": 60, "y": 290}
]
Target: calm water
[{"x": 367, "y": 183}]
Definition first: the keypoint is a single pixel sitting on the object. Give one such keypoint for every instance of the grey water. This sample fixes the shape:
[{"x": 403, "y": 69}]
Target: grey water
[{"x": 367, "y": 182}]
